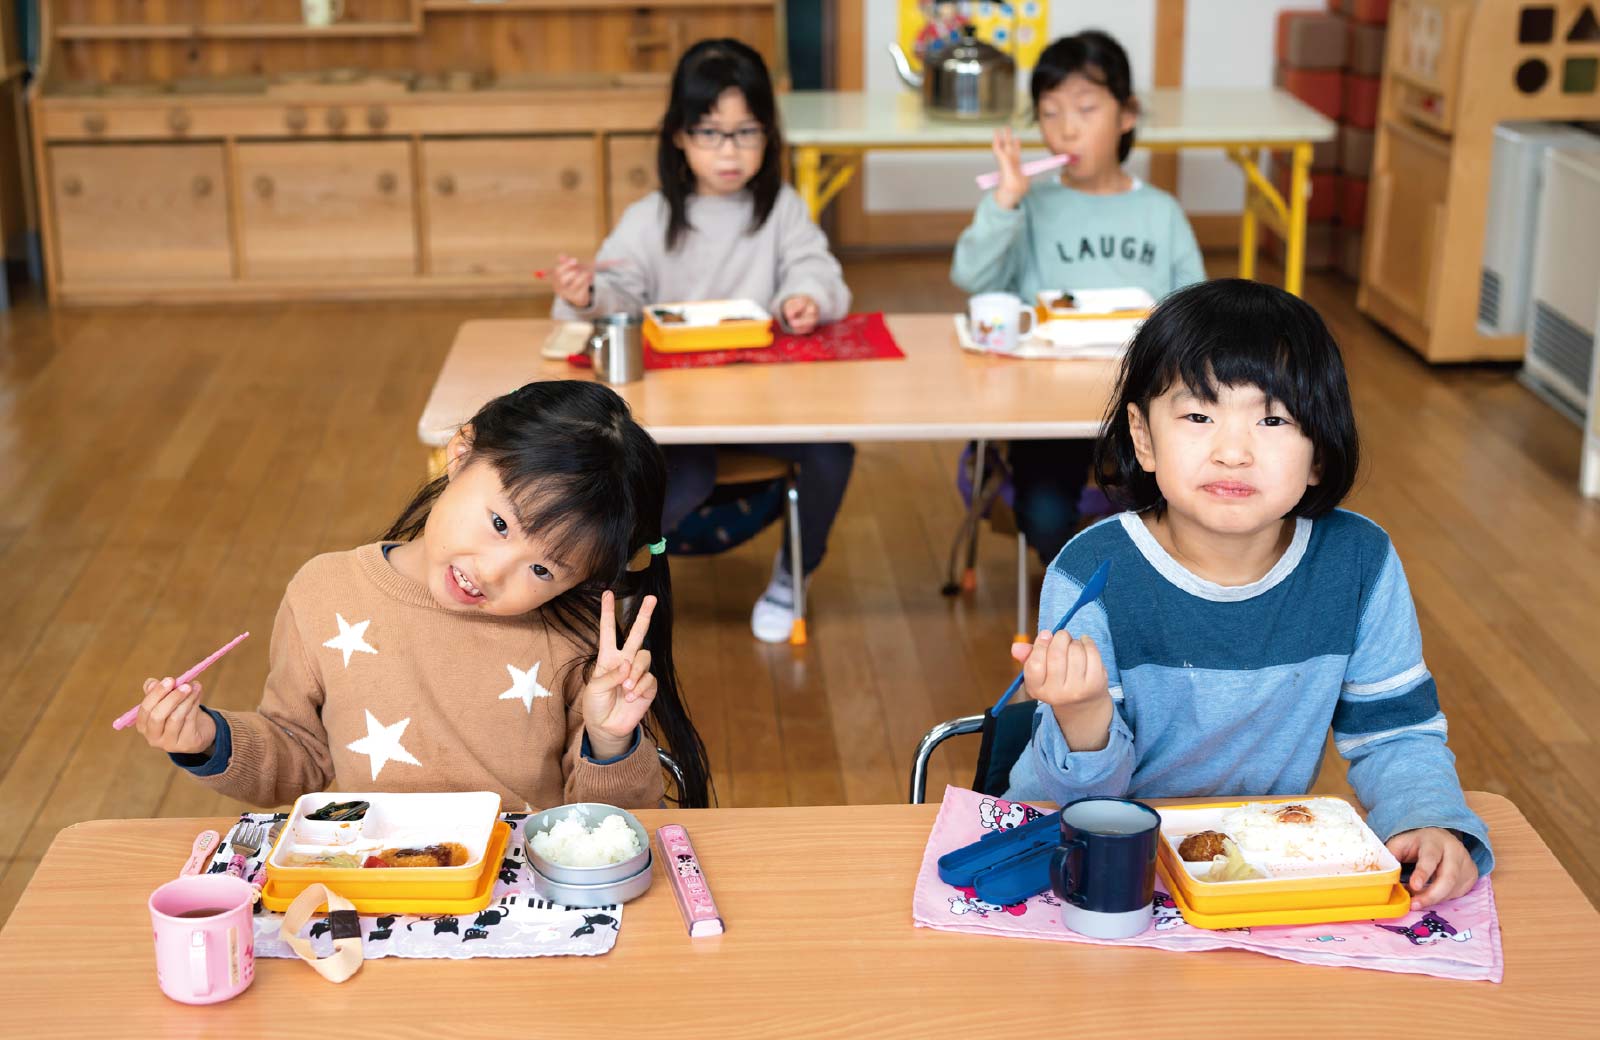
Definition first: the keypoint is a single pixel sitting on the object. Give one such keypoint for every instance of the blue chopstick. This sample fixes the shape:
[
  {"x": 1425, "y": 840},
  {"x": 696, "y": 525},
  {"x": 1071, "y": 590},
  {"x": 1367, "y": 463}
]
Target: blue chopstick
[{"x": 1091, "y": 592}]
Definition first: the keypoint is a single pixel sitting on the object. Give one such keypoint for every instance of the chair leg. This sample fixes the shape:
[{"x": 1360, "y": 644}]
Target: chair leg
[
  {"x": 1022, "y": 590},
  {"x": 797, "y": 634},
  {"x": 969, "y": 577}
]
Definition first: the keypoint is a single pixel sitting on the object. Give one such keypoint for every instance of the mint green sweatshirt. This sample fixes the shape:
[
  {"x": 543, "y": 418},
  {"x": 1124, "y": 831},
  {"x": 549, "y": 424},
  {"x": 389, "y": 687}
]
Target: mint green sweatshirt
[{"x": 1063, "y": 239}]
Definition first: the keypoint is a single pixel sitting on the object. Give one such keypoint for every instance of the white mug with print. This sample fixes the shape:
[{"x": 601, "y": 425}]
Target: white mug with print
[
  {"x": 998, "y": 321},
  {"x": 322, "y": 12}
]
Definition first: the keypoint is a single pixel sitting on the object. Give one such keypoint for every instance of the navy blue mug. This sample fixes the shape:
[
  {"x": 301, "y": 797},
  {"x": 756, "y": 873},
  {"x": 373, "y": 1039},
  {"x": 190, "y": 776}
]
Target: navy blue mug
[{"x": 1104, "y": 870}]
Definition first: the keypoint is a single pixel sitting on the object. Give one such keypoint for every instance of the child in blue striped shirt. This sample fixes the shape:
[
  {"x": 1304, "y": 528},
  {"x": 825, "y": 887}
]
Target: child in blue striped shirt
[{"x": 1246, "y": 614}]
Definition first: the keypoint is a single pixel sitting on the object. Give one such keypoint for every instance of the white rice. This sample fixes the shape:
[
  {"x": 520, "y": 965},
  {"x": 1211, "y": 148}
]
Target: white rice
[
  {"x": 1336, "y": 841},
  {"x": 571, "y": 844}
]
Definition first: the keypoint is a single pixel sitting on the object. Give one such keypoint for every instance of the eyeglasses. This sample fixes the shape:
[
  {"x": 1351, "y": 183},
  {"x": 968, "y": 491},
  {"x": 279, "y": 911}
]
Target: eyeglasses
[{"x": 746, "y": 138}]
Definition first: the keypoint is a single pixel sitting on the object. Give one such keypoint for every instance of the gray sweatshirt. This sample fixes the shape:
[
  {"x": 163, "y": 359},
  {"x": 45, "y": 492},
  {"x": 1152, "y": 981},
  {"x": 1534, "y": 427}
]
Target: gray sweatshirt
[{"x": 718, "y": 258}]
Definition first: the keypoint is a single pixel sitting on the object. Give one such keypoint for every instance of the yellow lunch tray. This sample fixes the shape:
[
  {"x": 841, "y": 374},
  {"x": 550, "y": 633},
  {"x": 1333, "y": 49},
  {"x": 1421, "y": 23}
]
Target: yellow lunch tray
[
  {"x": 392, "y": 898},
  {"x": 1398, "y": 904},
  {"x": 1343, "y": 894},
  {"x": 1051, "y": 314},
  {"x": 1045, "y": 301},
  {"x": 688, "y": 339}
]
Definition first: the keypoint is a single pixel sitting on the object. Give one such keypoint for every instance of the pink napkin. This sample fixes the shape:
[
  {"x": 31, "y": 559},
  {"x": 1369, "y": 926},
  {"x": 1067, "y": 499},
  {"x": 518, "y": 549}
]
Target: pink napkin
[{"x": 1457, "y": 939}]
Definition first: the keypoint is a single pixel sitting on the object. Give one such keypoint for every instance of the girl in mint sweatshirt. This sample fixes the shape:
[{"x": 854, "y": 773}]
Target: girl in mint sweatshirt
[{"x": 1094, "y": 226}]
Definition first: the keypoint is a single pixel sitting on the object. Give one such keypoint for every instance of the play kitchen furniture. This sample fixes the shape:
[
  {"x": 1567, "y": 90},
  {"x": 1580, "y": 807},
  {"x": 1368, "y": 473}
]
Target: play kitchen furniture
[
  {"x": 828, "y": 950},
  {"x": 830, "y": 133},
  {"x": 412, "y": 147},
  {"x": 1455, "y": 69}
]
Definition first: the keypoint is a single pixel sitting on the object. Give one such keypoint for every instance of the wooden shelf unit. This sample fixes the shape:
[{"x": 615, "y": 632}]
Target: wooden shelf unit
[
  {"x": 1454, "y": 70},
  {"x": 184, "y": 160}
]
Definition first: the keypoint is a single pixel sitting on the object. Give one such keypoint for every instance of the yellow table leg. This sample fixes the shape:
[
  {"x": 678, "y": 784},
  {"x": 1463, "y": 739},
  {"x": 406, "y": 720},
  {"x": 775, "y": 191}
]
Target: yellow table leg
[
  {"x": 1247, "y": 232},
  {"x": 1299, "y": 186},
  {"x": 808, "y": 179},
  {"x": 435, "y": 463}
]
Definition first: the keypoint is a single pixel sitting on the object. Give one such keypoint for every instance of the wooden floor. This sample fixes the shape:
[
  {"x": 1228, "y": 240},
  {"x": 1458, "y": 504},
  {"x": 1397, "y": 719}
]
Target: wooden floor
[{"x": 165, "y": 471}]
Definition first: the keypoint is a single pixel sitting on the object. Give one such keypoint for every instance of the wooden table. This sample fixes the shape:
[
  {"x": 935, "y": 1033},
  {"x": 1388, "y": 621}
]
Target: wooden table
[
  {"x": 938, "y": 392},
  {"x": 831, "y": 131},
  {"x": 819, "y": 942}
]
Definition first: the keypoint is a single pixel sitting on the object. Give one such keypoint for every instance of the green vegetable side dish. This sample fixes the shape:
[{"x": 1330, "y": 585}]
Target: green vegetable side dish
[{"x": 342, "y": 812}]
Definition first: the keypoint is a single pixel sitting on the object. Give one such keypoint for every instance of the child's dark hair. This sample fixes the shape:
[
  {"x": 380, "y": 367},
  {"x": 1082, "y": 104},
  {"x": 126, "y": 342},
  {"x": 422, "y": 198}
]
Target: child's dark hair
[
  {"x": 1234, "y": 332},
  {"x": 1096, "y": 56},
  {"x": 705, "y": 71},
  {"x": 576, "y": 466}
]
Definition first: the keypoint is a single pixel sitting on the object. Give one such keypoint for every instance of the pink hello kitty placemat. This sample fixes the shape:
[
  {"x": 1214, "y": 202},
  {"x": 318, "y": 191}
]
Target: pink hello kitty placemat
[{"x": 1456, "y": 939}]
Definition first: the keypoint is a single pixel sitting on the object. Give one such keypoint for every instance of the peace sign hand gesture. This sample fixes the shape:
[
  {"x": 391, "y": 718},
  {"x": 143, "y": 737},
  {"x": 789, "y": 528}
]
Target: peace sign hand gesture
[{"x": 619, "y": 692}]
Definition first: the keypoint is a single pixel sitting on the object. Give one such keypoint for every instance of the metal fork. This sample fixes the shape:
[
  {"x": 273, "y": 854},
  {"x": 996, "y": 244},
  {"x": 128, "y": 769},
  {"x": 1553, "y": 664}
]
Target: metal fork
[{"x": 246, "y": 839}]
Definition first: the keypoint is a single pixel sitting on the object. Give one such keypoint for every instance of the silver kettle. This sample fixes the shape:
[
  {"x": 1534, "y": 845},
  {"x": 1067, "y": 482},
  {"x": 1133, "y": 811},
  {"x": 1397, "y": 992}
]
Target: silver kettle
[{"x": 967, "y": 80}]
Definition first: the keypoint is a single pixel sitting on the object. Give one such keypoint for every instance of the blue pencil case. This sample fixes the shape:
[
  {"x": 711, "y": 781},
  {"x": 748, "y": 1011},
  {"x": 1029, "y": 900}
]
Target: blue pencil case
[{"x": 1006, "y": 867}]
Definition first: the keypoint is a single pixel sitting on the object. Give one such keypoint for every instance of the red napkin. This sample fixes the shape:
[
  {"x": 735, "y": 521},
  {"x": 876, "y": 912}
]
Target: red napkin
[{"x": 858, "y": 337}]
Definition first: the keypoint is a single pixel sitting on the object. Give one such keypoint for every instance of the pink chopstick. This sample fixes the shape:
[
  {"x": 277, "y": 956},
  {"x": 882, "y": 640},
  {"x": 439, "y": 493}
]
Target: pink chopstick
[
  {"x": 604, "y": 265},
  {"x": 130, "y": 716},
  {"x": 1029, "y": 169}
]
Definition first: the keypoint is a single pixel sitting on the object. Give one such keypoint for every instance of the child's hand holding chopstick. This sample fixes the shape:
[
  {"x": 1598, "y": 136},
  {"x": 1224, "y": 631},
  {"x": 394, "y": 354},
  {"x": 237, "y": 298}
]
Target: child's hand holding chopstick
[
  {"x": 171, "y": 719},
  {"x": 170, "y": 716},
  {"x": 574, "y": 280}
]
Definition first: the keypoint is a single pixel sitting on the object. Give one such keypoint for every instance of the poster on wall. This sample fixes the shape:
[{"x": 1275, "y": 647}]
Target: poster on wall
[{"x": 1018, "y": 29}]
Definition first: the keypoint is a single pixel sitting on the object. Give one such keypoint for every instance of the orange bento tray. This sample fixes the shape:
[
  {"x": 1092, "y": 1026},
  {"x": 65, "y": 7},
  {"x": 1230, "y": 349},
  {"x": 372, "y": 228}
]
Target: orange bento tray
[
  {"x": 370, "y": 897},
  {"x": 1092, "y": 304},
  {"x": 707, "y": 325},
  {"x": 1313, "y": 899},
  {"x": 408, "y": 819}
]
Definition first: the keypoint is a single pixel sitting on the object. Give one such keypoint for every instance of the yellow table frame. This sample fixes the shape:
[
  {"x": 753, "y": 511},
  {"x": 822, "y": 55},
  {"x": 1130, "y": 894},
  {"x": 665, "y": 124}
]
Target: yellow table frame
[{"x": 821, "y": 172}]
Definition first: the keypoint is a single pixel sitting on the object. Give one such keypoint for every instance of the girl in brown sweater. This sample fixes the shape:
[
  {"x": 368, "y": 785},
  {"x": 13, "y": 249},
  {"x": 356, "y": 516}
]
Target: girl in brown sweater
[{"x": 476, "y": 646}]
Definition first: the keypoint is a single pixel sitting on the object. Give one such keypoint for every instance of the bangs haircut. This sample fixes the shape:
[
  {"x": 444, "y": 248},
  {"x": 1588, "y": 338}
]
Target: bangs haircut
[
  {"x": 1236, "y": 333},
  {"x": 705, "y": 72},
  {"x": 1098, "y": 58}
]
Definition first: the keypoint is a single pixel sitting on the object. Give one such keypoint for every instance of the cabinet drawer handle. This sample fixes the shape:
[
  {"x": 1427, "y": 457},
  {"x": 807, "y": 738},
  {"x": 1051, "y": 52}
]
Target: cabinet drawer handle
[
  {"x": 377, "y": 117},
  {"x": 388, "y": 182},
  {"x": 95, "y": 122},
  {"x": 72, "y": 187},
  {"x": 337, "y": 120},
  {"x": 569, "y": 179},
  {"x": 263, "y": 185},
  {"x": 202, "y": 186},
  {"x": 445, "y": 185},
  {"x": 179, "y": 120},
  {"x": 638, "y": 177},
  {"x": 295, "y": 118}
]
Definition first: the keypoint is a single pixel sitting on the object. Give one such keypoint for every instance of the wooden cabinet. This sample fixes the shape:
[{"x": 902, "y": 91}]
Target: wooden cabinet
[
  {"x": 1425, "y": 61},
  {"x": 1453, "y": 71},
  {"x": 631, "y": 159},
  {"x": 1410, "y": 180},
  {"x": 310, "y": 209},
  {"x": 507, "y": 206},
  {"x": 140, "y": 213},
  {"x": 202, "y": 150}
]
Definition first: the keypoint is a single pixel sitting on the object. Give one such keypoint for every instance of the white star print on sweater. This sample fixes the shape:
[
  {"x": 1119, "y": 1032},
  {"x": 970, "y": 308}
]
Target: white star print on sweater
[
  {"x": 382, "y": 744},
  {"x": 525, "y": 685},
  {"x": 350, "y": 638}
]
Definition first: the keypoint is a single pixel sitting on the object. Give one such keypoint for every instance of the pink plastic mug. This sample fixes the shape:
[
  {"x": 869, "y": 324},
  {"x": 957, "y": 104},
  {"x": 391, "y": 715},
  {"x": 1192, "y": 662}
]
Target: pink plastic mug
[{"x": 205, "y": 942}]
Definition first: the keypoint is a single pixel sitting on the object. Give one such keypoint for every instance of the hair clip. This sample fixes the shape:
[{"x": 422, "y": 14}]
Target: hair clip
[{"x": 658, "y": 547}]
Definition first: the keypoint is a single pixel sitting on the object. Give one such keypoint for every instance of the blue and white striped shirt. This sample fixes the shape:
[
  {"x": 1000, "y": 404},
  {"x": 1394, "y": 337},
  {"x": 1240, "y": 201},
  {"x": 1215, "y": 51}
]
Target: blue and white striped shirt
[{"x": 1231, "y": 690}]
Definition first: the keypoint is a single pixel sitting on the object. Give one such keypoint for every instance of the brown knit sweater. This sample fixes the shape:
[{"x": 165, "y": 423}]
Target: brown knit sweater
[{"x": 374, "y": 687}]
